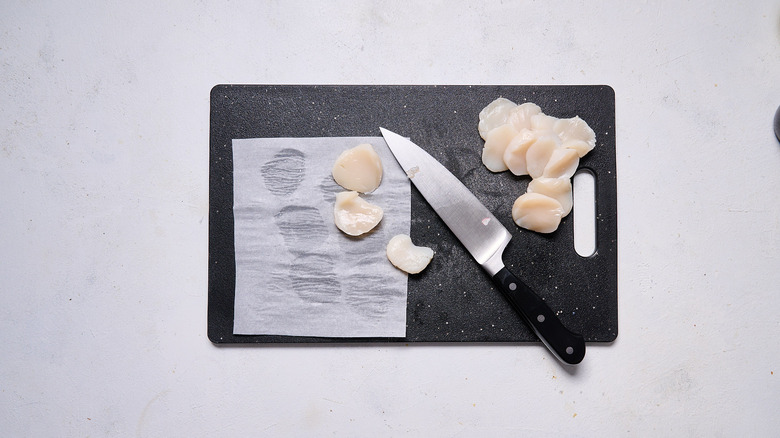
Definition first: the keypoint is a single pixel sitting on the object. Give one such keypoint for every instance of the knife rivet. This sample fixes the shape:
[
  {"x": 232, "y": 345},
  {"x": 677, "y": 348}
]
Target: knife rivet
[
  {"x": 569, "y": 350},
  {"x": 512, "y": 286},
  {"x": 540, "y": 318}
]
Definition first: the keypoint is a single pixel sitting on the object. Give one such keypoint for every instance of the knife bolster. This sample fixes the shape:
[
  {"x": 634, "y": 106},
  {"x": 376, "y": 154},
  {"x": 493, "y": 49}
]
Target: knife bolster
[{"x": 495, "y": 262}]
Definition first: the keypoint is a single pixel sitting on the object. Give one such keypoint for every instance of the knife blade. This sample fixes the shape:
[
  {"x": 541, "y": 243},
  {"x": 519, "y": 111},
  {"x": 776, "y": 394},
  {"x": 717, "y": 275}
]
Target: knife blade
[{"x": 485, "y": 238}]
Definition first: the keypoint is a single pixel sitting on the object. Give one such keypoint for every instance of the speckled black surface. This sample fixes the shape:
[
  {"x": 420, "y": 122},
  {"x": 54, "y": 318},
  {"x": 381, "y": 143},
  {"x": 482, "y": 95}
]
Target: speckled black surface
[{"x": 453, "y": 300}]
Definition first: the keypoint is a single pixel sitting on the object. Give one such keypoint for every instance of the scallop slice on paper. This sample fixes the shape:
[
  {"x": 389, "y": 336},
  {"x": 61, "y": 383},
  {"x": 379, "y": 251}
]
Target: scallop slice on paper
[
  {"x": 404, "y": 255},
  {"x": 497, "y": 141},
  {"x": 538, "y": 155},
  {"x": 358, "y": 169},
  {"x": 537, "y": 212},
  {"x": 573, "y": 129},
  {"x": 354, "y": 215},
  {"x": 559, "y": 189},
  {"x": 494, "y": 115},
  {"x": 562, "y": 163}
]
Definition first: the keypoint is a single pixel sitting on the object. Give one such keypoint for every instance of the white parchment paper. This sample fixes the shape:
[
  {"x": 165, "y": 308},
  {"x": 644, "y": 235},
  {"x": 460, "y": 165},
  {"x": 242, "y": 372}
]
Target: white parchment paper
[{"x": 296, "y": 273}]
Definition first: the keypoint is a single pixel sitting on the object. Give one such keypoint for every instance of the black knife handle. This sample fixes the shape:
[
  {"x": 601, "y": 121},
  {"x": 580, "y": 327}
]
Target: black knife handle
[{"x": 567, "y": 346}]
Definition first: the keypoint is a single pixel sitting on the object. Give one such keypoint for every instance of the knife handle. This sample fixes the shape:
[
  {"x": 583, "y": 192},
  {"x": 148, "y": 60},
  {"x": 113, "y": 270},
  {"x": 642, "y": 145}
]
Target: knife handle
[{"x": 568, "y": 347}]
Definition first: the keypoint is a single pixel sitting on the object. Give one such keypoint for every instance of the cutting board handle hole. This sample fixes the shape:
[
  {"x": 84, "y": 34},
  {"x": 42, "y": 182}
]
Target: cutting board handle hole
[{"x": 584, "y": 211}]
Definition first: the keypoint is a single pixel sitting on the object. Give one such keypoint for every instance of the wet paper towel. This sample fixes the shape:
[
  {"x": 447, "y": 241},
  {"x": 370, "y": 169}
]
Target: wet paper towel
[{"x": 296, "y": 273}]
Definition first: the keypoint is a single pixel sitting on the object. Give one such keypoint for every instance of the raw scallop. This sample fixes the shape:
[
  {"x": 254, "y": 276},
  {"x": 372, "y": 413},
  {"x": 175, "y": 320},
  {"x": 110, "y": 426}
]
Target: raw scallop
[
  {"x": 562, "y": 163},
  {"x": 358, "y": 169},
  {"x": 404, "y": 255},
  {"x": 494, "y": 115},
  {"x": 580, "y": 146},
  {"x": 556, "y": 188},
  {"x": 354, "y": 215},
  {"x": 538, "y": 155},
  {"x": 495, "y": 145},
  {"x": 542, "y": 123},
  {"x": 576, "y": 129},
  {"x": 525, "y": 141},
  {"x": 537, "y": 212},
  {"x": 515, "y": 153},
  {"x": 520, "y": 116}
]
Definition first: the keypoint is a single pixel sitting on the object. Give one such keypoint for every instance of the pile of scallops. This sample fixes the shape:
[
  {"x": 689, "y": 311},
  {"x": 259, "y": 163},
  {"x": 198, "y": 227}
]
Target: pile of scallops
[
  {"x": 359, "y": 170},
  {"x": 525, "y": 141}
]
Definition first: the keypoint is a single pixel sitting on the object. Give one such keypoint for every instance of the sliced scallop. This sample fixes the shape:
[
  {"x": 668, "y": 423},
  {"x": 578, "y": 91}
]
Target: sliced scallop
[
  {"x": 358, "y": 169},
  {"x": 494, "y": 115},
  {"x": 354, "y": 215},
  {"x": 538, "y": 155},
  {"x": 404, "y": 255},
  {"x": 520, "y": 116},
  {"x": 542, "y": 123},
  {"x": 497, "y": 141},
  {"x": 562, "y": 163},
  {"x": 537, "y": 212},
  {"x": 559, "y": 189},
  {"x": 575, "y": 130},
  {"x": 515, "y": 153},
  {"x": 580, "y": 146}
]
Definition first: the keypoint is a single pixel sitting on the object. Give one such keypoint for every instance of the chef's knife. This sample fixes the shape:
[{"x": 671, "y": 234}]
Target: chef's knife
[{"x": 485, "y": 238}]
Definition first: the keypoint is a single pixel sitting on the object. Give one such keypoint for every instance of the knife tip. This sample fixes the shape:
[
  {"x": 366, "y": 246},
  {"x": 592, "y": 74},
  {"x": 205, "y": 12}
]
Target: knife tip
[{"x": 387, "y": 133}]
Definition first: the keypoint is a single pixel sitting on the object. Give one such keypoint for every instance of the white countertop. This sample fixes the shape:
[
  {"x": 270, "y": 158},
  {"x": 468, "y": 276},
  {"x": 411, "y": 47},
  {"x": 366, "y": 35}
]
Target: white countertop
[{"x": 104, "y": 120}]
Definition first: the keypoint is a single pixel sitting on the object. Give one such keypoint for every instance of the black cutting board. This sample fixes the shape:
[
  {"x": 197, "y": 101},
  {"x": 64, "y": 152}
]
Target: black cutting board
[{"x": 453, "y": 300}]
